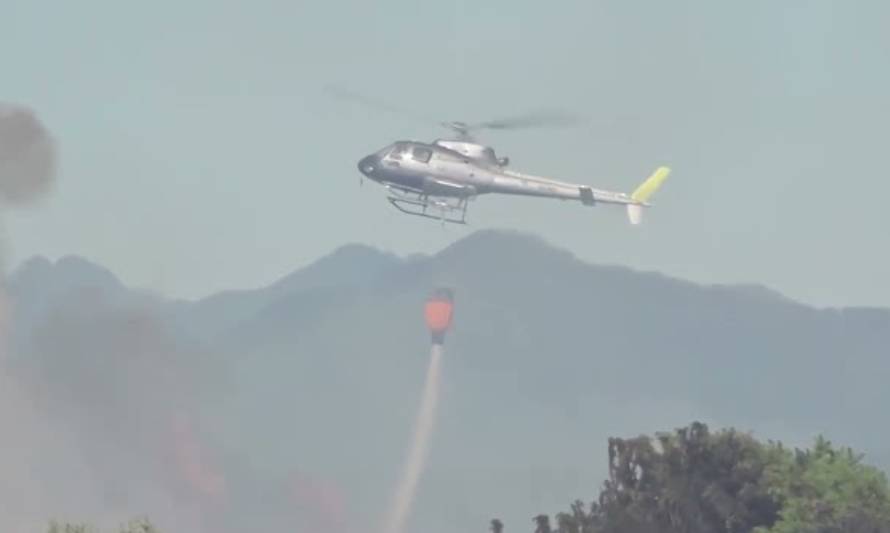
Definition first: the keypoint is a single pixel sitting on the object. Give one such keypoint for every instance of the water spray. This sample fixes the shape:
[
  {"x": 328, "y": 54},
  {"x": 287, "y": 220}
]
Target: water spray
[{"x": 438, "y": 313}]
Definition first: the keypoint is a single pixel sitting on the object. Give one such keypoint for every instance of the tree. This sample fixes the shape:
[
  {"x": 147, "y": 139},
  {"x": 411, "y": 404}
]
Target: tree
[
  {"x": 579, "y": 520},
  {"x": 695, "y": 481},
  {"x": 496, "y": 526},
  {"x": 542, "y": 524},
  {"x": 55, "y": 527},
  {"x": 826, "y": 490},
  {"x": 688, "y": 481},
  {"x": 141, "y": 525}
]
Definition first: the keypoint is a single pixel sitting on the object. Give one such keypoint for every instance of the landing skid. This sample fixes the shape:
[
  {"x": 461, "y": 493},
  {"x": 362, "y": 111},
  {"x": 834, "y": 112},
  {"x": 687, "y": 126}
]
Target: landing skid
[{"x": 419, "y": 204}]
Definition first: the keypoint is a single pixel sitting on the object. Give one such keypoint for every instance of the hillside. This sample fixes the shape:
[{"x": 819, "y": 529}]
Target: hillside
[{"x": 316, "y": 376}]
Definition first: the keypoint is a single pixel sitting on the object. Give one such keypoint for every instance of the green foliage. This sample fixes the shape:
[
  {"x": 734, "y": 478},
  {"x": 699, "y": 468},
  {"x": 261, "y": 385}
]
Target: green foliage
[
  {"x": 55, "y": 527},
  {"x": 579, "y": 520},
  {"x": 542, "y": 524},
  {"x": 689, "y": 481},
  {"x": 695, "y": 481},
  {"x": 142, "y": 525},
  {"x": 828, "y": 489}
]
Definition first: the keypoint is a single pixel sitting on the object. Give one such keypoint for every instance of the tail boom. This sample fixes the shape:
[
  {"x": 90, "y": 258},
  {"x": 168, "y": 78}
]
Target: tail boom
[{"x": 510, "y": 182}]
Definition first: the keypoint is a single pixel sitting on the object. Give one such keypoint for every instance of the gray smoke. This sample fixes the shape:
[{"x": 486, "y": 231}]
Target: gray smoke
[
  {"x": 107, "y": 410},
  {"x": 27, "y": 172},
  {"x": 27, "y": 156},
  {"x": 96, "y": 412},
  {"x": 118, "y": 390}
]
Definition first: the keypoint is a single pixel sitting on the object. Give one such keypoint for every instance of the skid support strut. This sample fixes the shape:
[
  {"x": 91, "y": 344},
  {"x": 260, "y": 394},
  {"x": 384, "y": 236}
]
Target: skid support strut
[{"x": 419, "y": 204}]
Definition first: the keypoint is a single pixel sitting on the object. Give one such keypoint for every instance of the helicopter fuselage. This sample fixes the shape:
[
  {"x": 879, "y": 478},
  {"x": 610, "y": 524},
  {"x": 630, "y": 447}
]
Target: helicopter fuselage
[{"x": 459, "y": 169}]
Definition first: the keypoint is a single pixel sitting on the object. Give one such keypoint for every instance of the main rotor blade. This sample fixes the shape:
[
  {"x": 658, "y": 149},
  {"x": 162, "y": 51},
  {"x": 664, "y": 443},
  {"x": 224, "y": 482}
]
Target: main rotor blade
[
  {"x": 533, "y": 120},
  {"x": 345, "y": 94}
]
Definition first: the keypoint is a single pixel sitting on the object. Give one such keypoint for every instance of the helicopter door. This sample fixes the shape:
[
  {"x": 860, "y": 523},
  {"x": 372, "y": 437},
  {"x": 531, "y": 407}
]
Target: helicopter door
[{"x": 454, "y": 167}]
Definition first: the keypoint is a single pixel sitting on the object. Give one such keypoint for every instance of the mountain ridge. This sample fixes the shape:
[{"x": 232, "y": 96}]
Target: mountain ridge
[
  {"x": 549, "y": 356},
  {"x": 335, "y": 263}
]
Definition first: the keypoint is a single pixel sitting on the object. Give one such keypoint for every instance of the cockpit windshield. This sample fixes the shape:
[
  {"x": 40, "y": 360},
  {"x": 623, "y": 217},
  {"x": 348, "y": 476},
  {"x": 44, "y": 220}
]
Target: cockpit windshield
[
  {"x": 399, "y": 151},
  {"x": 402, "y": 151}
]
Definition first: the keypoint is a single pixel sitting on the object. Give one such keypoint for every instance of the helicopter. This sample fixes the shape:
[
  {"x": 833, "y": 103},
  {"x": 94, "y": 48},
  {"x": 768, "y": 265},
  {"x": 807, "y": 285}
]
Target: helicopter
[{"x": 438, "y": 179}]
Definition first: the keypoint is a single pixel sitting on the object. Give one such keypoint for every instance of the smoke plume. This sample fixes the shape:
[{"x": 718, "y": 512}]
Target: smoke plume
[
  {"x": 27, "y": 156},
  {"x": 27, "y": 172},
  {"x": 426, "y": 417},
  {"x": 121, "y": 392},
  {"x": 319, "y": 502},
  {"x": 107, "y": 410},
  {"x": 194, "y": 465},
  {"x": 86, "y": 409}
]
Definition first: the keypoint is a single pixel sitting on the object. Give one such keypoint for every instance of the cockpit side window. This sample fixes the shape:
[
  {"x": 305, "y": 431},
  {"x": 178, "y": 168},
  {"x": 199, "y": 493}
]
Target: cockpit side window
[
  {"x": 422, "y": 154},
  {"x": 398, "y": 151}
]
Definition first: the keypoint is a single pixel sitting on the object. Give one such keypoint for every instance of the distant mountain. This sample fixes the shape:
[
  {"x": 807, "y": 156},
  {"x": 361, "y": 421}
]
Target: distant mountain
[
  {"x": 549, "y": 356},
  {"x": 39, "y": 280},
  {"x": 39, "y": 286},
  {"x": 348, "y": 265}
]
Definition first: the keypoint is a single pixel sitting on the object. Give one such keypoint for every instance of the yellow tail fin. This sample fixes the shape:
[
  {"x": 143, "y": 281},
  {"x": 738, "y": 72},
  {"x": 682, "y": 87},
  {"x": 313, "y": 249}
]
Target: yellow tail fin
[
  {"x": 644, "y": 192},
  {"x": 652, "y": 183}
]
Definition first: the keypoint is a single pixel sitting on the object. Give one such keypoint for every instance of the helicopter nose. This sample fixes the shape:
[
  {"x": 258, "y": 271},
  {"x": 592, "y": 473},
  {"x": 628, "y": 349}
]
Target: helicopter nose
[{"x": 367, "y": 165}]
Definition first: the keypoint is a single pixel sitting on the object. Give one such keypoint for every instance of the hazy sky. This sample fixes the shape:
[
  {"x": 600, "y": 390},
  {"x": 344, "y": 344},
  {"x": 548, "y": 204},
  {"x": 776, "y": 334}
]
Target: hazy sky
[{"x": 199, "y": 151}]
